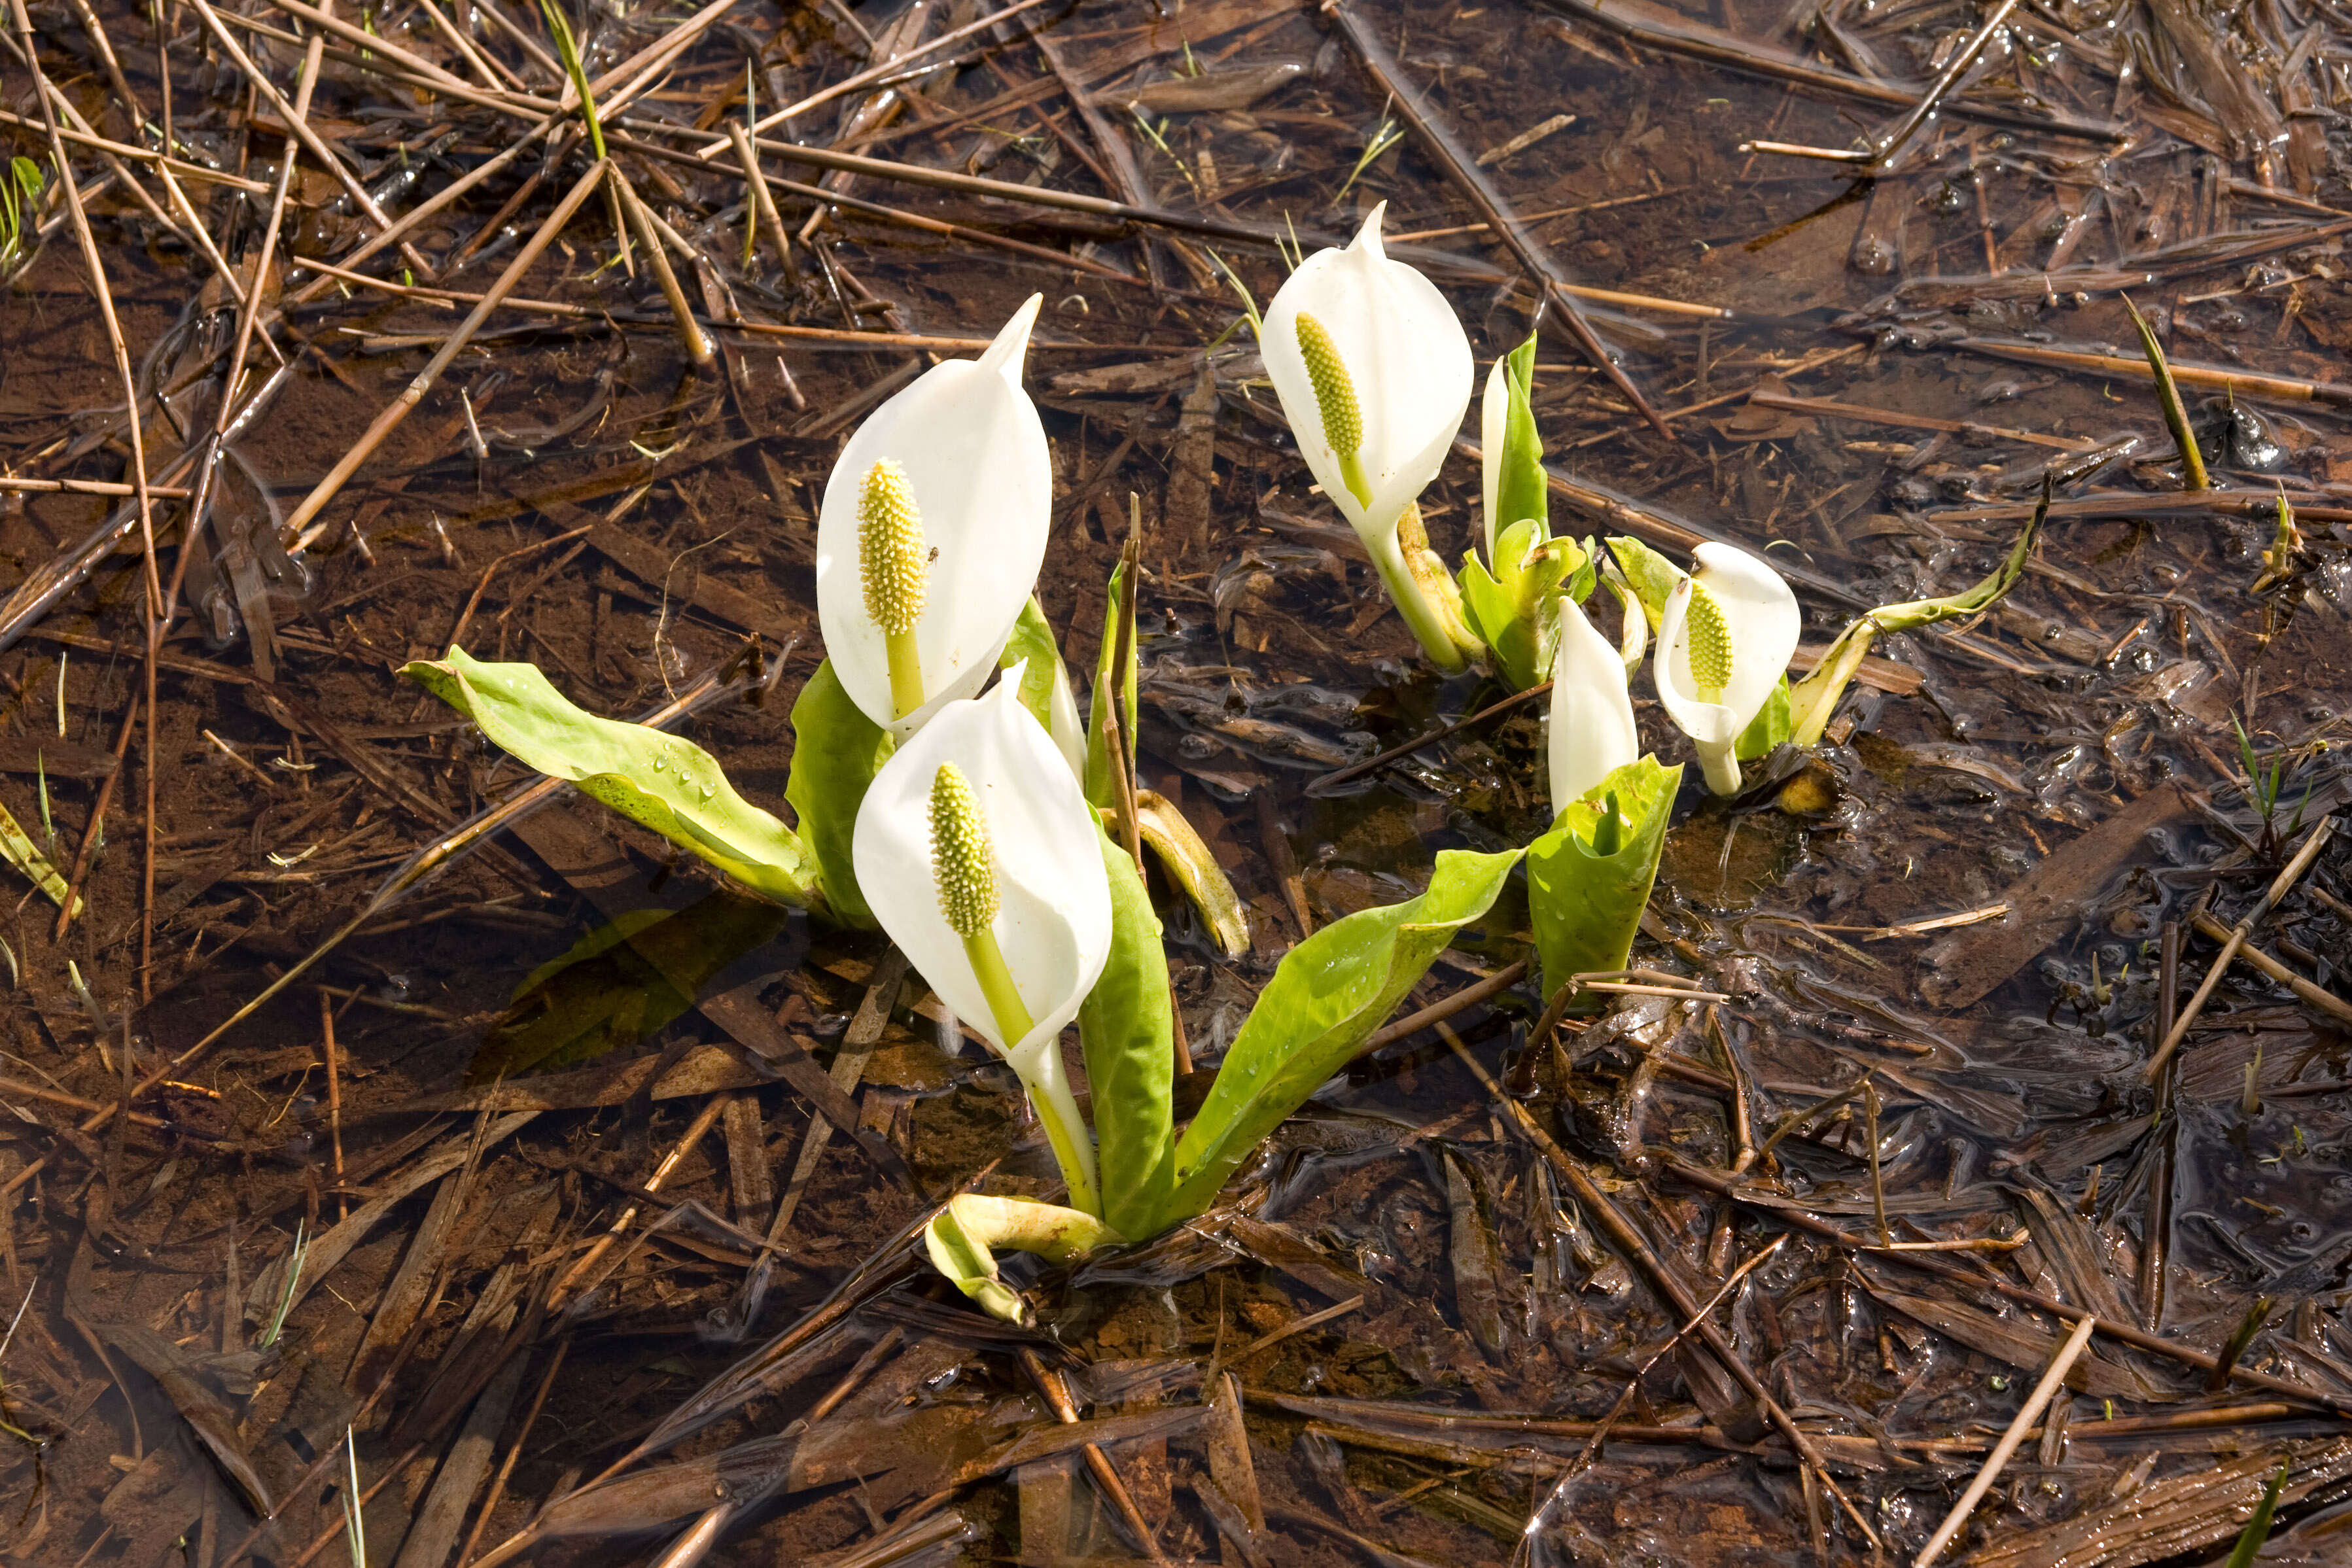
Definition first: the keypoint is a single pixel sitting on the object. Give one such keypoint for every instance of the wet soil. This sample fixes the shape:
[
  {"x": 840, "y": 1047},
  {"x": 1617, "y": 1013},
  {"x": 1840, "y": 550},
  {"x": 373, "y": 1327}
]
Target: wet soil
[{"x": 1963, "y": 903}]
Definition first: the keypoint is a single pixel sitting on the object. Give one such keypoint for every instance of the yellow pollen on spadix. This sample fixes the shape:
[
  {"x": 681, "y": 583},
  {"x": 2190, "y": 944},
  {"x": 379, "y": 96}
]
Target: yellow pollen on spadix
[
  {"x": 890, "y": 554},
  {"x": 961, "y": 859},
  {"x": 1709, "y": 641}
]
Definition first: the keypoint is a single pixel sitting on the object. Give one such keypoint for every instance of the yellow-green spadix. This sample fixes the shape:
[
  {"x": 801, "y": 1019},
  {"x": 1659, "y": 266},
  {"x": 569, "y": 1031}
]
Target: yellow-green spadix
[
  {"x": 1724, "y": 643},
  {"x": 979, "y": 855},
  {"x": 931, "y": 532}
]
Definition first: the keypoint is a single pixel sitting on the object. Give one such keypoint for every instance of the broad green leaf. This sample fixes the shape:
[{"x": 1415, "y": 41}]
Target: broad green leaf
[
  {"x": 1769, "y": 728},
  {"x": 1585, "y": 903},
  {"x": 1128, "y": 1029},
  {"x": 1652, "y": 575},
  {"x": 1328, "y": 994},
  {"x": 1508, "y": 607},
  {"x": 1520, "y": 489},
  {"x": 657, "y": 780},
  {"x": 836, "y": 752},
  {"x": 963, "y": 1236},
  {"x": 1101, "y": 778},
  {"x": 621, "y": 983},
  {"x": 1045, "y": 683}
]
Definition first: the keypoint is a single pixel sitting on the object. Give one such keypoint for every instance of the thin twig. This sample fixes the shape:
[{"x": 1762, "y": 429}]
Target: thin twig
[
  {"x": 2286, "y": 879},
  {"x": 2030, "y": 1412},
  {"x": 298, "y": 523}
]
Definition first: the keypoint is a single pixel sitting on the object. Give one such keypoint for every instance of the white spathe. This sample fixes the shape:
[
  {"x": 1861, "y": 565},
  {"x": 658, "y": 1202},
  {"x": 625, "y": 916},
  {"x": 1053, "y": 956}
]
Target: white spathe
[
  {"x": 1053, "y": 921},
  {"x": 973, "y": 451},
  {"x": 1494, "y": 424},
  {"x": 1408, "y": 359},
  {"x": 1592, "y": 730},
  {"x": 1764, "y": 622}
]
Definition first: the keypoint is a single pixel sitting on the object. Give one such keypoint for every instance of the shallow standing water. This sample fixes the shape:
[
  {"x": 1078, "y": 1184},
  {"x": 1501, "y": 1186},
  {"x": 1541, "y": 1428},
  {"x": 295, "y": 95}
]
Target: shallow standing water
[{"x": 1850, "y": 374}]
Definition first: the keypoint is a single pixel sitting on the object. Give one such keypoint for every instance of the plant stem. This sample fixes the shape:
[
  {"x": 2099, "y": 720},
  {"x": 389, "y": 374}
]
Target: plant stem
[
  {"x": 1720, "y": 764},
  {"x": 1427, "y": 629},
  {"x": 1055, "y": 1107},
  {"x": 906, "y": 696}
]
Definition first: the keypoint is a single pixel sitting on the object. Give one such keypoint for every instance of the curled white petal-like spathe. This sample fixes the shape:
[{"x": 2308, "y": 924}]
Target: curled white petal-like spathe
[
  {"x": 1054, "y": 920},
  {"x": 1762, "y": 616},
  {"x": 1592, "y": 728},
  {"x": 1494, "y": 426},
  {"x": 1707, "y": 723},
  {"x": 973, "y": 452},
  {"x": 1407, "y": 356}
]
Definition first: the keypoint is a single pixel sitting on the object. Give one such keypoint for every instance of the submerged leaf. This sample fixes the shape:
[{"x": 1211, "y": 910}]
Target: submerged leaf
[
  {"x": 621, "y": 983},
  {"x": 657, "y": 780},
  {"x": 1589, "y": 878},
  {"x": 1328, "y": 993},
  {"x": 836, "y": 752}
]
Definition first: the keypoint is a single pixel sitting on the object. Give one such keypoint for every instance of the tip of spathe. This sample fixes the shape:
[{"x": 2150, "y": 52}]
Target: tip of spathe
[
  {"x": 1368, "y": 238},
  {"x": 1005, "y": 356}
]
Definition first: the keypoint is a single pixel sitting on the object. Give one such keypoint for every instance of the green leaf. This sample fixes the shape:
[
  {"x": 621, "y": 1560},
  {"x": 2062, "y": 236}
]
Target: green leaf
[
  {"x": 1769, "y": 728},
  {"x": 1586, "y": 904},
  {"x": 1102, "y": 777},
  {"x": 2258, "y": 1529},
  {"x": 1511, "y": 607},
  {"x": 836, "y": 752},
  {"x": 28, "y": 177},
  {"x": 1328, "y": 994},
  {"x": 16, "y": 847},
  {"x": 1127, "y": 1025},
  {"x": 2167, "y": 397},
  {"x": 621, "y": 983},
  {"x": 1651, "y": 575},
  {"x": 657, "y": 780},
  {"x": 1813, "y": 700},
  {"x": 1521, "y": 491},
  {"x": 1033, "y": 640},
  {"x": 960, "y": 1238}
]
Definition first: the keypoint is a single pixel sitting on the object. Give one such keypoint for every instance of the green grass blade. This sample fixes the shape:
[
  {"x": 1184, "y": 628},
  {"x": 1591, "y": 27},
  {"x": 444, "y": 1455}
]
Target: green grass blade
[{"x": 2176, "y": 415}]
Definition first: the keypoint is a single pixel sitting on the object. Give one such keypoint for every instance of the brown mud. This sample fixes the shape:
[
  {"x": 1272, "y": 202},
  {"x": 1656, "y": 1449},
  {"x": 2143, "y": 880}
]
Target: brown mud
[{"x": 1950, "y": 946}]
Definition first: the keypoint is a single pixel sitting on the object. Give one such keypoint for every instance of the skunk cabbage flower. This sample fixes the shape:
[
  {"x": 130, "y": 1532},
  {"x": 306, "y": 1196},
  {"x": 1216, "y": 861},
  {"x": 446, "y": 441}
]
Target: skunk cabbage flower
[
  {"x": 1724, "y": 643},
  {"x": 1592, "y": 731},
  {"x": 1494, "y": 426},
  {"x": 931, "y": 532},
  {"x": 980, "y": 856},
  {"x": 1374, "y": 374}
]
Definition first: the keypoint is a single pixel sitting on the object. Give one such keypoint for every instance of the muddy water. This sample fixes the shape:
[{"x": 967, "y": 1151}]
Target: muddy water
[{"x": 2071, "y": 758}]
